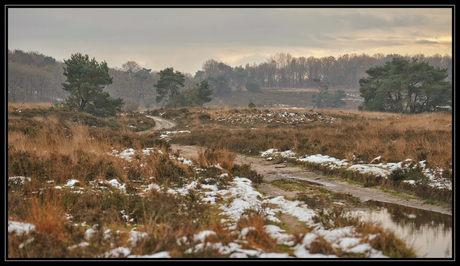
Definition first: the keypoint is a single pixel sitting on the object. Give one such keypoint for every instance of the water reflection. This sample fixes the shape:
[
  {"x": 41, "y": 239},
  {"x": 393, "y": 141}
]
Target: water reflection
[{"x": 430, "y": 233}]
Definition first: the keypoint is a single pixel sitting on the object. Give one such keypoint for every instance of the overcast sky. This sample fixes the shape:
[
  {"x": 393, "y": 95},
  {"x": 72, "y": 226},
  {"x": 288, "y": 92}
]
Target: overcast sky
[{"x": 184, "y": 38}]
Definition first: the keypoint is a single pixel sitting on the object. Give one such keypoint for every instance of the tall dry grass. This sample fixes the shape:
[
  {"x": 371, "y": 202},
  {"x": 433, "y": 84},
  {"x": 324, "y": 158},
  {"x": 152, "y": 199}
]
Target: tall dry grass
[
  {"x": 216, "y": 156},
  {"x": 366, "y": 135},
  {"x": 47, "y": 214},
  {"x": 14, "y": 106},
  {"x": 50, "y": 140}
]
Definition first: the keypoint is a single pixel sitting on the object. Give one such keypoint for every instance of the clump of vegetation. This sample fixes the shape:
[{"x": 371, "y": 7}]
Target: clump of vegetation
[
  {"x": 246, "y": 171},
  {"x": 253, "y": 87},
  {"x": 216, "y": 157},
  {"x": 410, "y": 173},
  {"x": 168, "y": 90},
  {"x": 133, "y": 106},
  {"x": 326, "y": 100}
]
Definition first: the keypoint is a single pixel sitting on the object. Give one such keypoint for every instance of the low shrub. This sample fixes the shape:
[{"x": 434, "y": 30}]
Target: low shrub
[
  {"x": 253, "y": 87},
  {"x": 246, "y": 171}
]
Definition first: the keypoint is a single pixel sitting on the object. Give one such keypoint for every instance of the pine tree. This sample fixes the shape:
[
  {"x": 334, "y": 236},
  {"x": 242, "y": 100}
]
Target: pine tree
[
  {"x": 169, "y": 86},
  {"x": 405, "y": 87},
  {"x": 85, "y": 83}
]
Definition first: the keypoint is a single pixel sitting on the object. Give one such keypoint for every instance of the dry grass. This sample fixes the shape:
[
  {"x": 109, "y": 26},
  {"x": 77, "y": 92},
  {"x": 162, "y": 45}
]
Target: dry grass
[
  {"x": 45, "y": 147},
  {"x": 394, "y": 137},
  {"x": 257, "y": 237},
  {"x": 216, "y": 156},
  {"x": 47, "y": 214},
  {"x": 14, "y": 106},
  {"x": 386, "y": 241}
]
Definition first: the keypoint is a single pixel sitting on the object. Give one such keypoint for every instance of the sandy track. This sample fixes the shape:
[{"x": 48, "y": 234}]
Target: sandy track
[
  {"x": 271, "y": 171},
  {"x": 161, "y": 123}
]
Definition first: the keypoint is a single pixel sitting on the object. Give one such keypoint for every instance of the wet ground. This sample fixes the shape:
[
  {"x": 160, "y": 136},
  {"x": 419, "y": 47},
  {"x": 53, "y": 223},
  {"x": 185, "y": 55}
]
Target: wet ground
[
  {"x": 427, "y": 228},
  {"x": 271, "y": 171},
  {"x": 430, "y": 233}
]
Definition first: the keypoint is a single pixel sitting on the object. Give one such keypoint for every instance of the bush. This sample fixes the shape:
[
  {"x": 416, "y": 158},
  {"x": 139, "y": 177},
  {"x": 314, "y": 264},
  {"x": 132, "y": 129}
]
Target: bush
[
  {"x": 131, "y": 105},
  {"x": 398, "y": 174},
  {"x": 245, "y": 171},
  {"x": 413, "y": 173},
  {"x": 253, "y": 87},
  {"x": 204, "y": 117}
]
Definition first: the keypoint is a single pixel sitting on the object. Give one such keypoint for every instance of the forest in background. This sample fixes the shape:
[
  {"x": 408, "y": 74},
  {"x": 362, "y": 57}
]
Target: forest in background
[{"x": 34, "y": 77}]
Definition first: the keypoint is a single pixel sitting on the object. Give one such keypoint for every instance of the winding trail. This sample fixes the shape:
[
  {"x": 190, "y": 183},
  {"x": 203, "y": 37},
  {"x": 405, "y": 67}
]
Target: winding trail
[
  {"x": 160, "y": 123},
  {"x": 271, "y": 171}
]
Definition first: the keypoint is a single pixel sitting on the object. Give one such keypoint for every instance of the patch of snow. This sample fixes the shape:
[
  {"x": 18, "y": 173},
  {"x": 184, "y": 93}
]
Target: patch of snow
[
  {"x": 71, "y": 183},
  {"x": 162, "y": 254},
  {"x": 135, "y": 236},
  {"x": 21, "y": 178},
  {"x": 116, "y": 252},
  {"x": 19, "y": 228},
  {"x": 201, "y": 236},
  {"x": 82, "y": 244}
]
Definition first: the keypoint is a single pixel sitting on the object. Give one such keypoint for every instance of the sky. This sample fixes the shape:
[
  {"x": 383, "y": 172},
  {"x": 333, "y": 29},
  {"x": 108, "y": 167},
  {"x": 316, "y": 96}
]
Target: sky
[{"x": 185, "y": 37}]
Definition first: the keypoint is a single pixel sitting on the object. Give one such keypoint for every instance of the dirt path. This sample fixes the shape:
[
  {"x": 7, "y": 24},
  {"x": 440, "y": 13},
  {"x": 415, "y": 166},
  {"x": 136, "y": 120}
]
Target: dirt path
[
  {"x": 271, "y": 171},
  {"x": 160, "y": 123}
]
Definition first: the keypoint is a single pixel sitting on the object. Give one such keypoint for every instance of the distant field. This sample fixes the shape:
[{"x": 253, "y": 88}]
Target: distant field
[{"x": 281, "y": 97}]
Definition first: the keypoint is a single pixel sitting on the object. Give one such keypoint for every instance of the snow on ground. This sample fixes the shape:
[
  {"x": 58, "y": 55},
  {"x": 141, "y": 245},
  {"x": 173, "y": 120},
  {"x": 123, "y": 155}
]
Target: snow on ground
[
  {"x": 116, "y": 252},
  {"x": 19, "y": 227},
  {"x": 166, "y": 134},
  {"x": 377, "y": 169},
  {"x": 127, "y": 154},
  {"x": 20, "y": 179},
  {"x": 275, "y": 153},
  {"x": 273, "y": 116},
  {"x": 234, "y": 201},
  {"x": 244, "y": 197}
]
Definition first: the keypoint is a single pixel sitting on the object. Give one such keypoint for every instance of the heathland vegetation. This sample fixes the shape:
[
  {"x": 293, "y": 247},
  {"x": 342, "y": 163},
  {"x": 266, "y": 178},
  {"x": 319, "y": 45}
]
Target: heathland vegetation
[
  {"x": 86, "y": 186},
  {"x": 91, "y": 178},
  {"x": 94, "y": 187}
]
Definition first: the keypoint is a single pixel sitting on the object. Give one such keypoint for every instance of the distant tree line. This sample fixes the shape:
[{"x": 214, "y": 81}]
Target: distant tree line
[
  {"x": 34, "y": 77},
  {"x": 283, "y": 70}
]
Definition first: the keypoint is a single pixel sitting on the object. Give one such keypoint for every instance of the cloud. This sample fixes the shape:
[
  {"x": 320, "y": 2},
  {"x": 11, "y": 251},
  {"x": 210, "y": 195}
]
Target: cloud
[
  {"x": 344, "y": 38},
  {"x": 426, "y": 42},
  {"x": 186, "y": 37},
  {"x": 250, "y": 59}
]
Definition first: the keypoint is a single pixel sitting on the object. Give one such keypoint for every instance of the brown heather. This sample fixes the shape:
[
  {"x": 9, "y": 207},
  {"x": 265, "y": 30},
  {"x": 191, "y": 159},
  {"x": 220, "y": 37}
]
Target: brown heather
[
  {"x": 366, "y": 135},
  {"x": 56, "y": 145},
  {"x": 47, "y": 214}
]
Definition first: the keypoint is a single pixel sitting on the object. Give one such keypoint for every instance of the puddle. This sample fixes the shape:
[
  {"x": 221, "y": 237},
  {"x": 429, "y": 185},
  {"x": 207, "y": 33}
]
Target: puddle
[
  {"x": 430, "y": 233},
  {"x": 307, "y": 180},
  {"x": 310, "y": 183}
]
